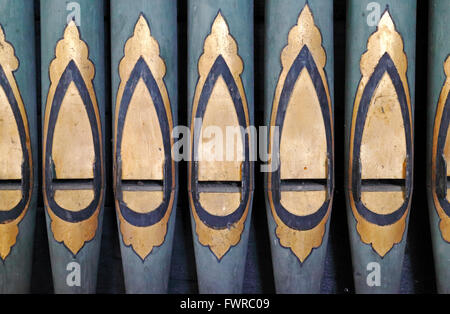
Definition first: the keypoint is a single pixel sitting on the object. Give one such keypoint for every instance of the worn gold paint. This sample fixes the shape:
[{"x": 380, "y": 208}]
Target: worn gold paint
[
  {"x": 302, "y": 203},
  {"x": 10, "y": 168},
  {"x": 383, "y": 154},
  {"x": 10, "y": 147},
  {"x": 72, "y": 47},
  {"x": 303, "y": 148},
  {"x": 220, "y": 204},
  {"x": 143, "y": 137},
  {"x": 73, "y": 129},
  {"x": 220, "y": 115},
  {"x": 9, "y": 199},
  {"x": 383, "y": 203},
  {"x": 142, "y": 149},
  {"x": 444, "y": 224},
  {"x": 143, "y": 201},
  {"x": 385, "y": 39},
  {"x": 74, "y": 200},
  {"x": 220, "y": 42}
]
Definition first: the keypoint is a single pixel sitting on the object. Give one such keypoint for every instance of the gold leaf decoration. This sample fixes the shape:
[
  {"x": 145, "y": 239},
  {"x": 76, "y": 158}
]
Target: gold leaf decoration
[
  {"x": 304, "y": 34},
  {"x": 142, "y": 45},
  {"x": 71, "y": 48},
  {"x": 385, "y": 40},
  {"x": 219, "y": 43},
  {"x": 11, "y": 158}
]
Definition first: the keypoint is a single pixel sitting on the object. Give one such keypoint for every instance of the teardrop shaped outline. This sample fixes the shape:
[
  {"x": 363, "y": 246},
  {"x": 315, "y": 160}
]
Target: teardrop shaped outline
[
  {"x": 141, "y": 70},
  {"x": 27, "y": 176},
  {"x": 385, "y": 65},
  {"x": 441, "y": 139},
  {"x": 220, "y": 68},
  {"x": 303, "y": 60},
  {"x": 439, "y": 166},
  {"x": 72, "y": 74}
]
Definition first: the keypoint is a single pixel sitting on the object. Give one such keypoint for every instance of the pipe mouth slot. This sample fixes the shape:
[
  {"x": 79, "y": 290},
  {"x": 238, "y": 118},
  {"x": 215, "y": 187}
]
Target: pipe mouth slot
[
  {"x": 303, "y": 185},
  {"x": 142, "y": 185},
  {"x": 383, "y": 185},
  {"x": 219, "y": 186},
  {"x": 73, "y": 184},
  {"x": 9, "y": 185},
  {"x": 383, "y": 196}
]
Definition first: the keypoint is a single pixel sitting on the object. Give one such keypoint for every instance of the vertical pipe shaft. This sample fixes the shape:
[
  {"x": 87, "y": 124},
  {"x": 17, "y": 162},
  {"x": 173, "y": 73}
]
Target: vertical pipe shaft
[
  {"x": 73, "y": 109},
  {"x": 144, "y": 34},
  {"x": 380, "y": 78},
  {"x": 298, "y": 100},
  {"x": 220, "y": 95},
  {"x": 18, "y": 144},
  {"x": 437, "y": 150}
]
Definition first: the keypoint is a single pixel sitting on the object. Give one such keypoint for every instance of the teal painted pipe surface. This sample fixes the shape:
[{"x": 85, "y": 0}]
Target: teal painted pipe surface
[
  {"x": 295, "y": 29},
  {"x": 438, "y": 88},
  {"x": 144, "y": 29},
  {"x": 380, "y": 81},
  {"x": 73, "y": 110},
  {"x": 220, "y": 75},
  {"x": 18, "y": 80}
]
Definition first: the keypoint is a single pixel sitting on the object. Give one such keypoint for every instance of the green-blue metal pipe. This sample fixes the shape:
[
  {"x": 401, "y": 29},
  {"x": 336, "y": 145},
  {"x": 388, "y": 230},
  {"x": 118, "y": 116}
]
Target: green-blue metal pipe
[
  {"x": 146, "y": 271},
  {"x": 17, "y": 23},
  {"x": 438, "y": 84},
  {"x": 377, "y": 238},
  {"x": 221, "y": 248},
  {"x": 75, "y": 268},
  {"x": 295, "y": 271}
]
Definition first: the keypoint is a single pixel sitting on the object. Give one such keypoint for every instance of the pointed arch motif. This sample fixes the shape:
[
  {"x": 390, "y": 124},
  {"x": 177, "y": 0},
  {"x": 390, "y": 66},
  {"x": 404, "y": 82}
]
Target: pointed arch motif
[
  {"x": 381, "y": 218},
  {"x": 73, "y": 202},
  {"x": 300, "y": 206},
  {"x": 144, "y": 202},
  {"x": 220, "y": 62}
]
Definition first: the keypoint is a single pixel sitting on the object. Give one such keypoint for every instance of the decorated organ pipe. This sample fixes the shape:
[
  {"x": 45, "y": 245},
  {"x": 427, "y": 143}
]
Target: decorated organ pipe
[
  {"x": 145, "y": 94},
  {"x": 220, "y": 113},
  {"x": 18, "y": 144},
  {"x": 438, "y": 149},
  {"x": 299, "y": 183},
  {"x": 380, "y": 77},
  {"x": 73, "y": 152}
]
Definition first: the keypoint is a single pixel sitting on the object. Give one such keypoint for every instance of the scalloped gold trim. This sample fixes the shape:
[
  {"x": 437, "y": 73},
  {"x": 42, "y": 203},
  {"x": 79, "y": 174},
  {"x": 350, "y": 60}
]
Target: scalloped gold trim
[
  {"x": 71, "y": 47},
  {"x": 10, "y": 230},
  {"x": 304, "y": 33},
  {"x": 219, "y": 42},
  {"x": 142, "y": 44},
  {"x": 386, "y": 39}
]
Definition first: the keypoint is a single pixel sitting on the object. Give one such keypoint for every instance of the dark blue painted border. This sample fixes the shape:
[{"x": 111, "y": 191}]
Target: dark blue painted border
[
  {"x": 72, "y": 74},
  {"x": 304, "y": 60},
  {"x": 441, "y": 166},
  {"x": 220, "y": 68},
  {"x": 385, "y": 65},
  {"x": 141, "y": 70},
  {"x": 15, "y": 212}
]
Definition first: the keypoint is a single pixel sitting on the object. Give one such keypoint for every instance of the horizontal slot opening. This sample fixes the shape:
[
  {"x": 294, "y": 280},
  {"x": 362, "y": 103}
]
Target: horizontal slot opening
[
  {"x": 219, "y": 186},
  {"x": 303, "y": 185},
  {"x": 382, "y": 185},
  {"x": 73, "y": 184},
  {"x": 142, "y": 185},
  {"x": 10, "y": 184}
]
